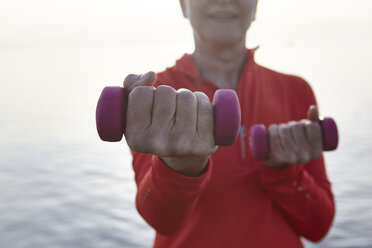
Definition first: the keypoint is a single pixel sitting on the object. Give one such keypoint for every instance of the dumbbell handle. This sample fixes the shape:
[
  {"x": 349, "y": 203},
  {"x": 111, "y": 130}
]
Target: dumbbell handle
[
  {"x": 112, "y": 108},
  {"x": 259, "y": 140}
]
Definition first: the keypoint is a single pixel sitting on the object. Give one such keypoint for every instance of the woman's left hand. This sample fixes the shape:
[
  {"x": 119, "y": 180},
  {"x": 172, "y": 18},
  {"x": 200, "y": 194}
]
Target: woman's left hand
[{"x": 295, "y": 142}]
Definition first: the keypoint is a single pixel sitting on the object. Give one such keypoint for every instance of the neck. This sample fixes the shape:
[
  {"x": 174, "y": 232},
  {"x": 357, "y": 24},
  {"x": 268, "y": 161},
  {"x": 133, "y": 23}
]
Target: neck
[{"x": 220, "y": 64}]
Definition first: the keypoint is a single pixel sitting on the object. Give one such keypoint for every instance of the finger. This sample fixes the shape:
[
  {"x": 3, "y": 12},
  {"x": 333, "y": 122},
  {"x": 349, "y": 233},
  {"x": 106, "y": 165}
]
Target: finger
[
  {"x": 205, "y": 120},
  {"x": 276, "y": 147},
  {"x": 314, "y": 136},
  {"x": 140, "y": 101},
  {"x": 288, "y": 144},
  {"x": 312, "y": 113},
  {"x": 164, "y": 107},
  {"x": 300, "y": 139},
  {"x": 286, "y": 137},
  {"x": 186, "y": 112},
  {"x": 205, "y": 123},
  {"x": 134, "y": 80}
]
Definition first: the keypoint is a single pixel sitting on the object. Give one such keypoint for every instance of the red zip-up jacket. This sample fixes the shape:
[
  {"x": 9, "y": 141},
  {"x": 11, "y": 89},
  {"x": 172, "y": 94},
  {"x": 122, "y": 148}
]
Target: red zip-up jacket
[{"x": 238, "y": 202}]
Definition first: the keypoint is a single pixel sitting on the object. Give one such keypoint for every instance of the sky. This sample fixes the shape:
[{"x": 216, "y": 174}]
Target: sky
[{"x": 56, "y": 22}]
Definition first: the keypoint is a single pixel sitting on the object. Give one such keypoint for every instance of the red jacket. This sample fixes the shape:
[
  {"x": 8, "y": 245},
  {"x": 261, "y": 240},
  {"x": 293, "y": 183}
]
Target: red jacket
[{"x": 238, "y": 202}]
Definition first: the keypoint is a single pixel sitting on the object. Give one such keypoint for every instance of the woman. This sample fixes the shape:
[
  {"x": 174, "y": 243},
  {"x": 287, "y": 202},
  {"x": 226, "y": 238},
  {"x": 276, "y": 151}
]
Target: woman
[{"x": 195, "y": 195}]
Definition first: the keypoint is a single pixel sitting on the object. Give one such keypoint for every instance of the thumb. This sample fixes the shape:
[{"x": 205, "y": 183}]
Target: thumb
[
  {"x": 134, "y": 80},
  {"x": 312, "y": 113}
]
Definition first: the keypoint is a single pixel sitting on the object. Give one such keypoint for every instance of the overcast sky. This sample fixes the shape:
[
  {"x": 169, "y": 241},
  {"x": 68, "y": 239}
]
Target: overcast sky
[{"x": 57, "y": 22}]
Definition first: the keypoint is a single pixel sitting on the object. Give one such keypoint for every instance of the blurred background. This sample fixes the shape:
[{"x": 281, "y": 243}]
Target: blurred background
[{"x": 60, "y": 186}]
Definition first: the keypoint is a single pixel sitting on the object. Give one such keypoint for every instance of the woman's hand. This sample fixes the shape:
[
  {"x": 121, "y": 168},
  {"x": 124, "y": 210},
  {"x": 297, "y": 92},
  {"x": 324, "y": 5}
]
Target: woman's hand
[
  {"x": 174, "y": 125},
  {"x": 295, "y": 142}
]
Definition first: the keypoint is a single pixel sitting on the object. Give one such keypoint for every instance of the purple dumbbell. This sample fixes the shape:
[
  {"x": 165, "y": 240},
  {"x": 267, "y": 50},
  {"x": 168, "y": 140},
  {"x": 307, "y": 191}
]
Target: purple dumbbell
[
  {"x": 259, "y": 140},
  {"x": 112, "y": 108}
]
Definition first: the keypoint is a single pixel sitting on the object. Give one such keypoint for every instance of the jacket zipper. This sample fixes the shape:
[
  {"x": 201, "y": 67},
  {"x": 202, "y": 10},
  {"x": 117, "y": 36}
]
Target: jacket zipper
[{"x": 242, "y": 141}]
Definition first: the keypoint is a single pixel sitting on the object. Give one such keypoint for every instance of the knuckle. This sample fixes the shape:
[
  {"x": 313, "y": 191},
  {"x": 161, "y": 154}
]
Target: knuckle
[
  {"x": 283, "y": 129},
  {"x": 165, "y": 90},
  {"x": 283, "y": 126},
  {"x": 273, "y": 126},
  {"x": 203, "y": 101},
  {"x": 308, "y": 125},
  {"x": 186, "y": 96},
  {"x": 305, "y": 122},
  {"x": 292, "y": 123},
  {"x": 273, "y": 130},
  {"x": 296, "y": 126},
  {"x": 273, "y": 133},
  {"x": 140, "y": 91},
  {"x": 201, "y": 96}
]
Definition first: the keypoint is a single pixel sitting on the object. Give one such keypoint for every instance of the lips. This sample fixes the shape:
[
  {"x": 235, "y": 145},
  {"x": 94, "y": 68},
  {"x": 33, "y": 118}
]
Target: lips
[{"x": 222, "y": 15}]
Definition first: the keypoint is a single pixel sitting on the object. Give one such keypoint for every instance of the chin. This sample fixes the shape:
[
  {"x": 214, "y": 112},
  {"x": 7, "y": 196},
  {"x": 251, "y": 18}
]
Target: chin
[{"x": 227, "y": 39}]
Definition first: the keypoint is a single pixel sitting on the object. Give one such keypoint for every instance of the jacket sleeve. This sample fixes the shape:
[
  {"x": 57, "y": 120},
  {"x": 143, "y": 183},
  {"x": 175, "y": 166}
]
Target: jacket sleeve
[
  {"x": 303, "y": 191},
  {"x": 164, "y": 197}
]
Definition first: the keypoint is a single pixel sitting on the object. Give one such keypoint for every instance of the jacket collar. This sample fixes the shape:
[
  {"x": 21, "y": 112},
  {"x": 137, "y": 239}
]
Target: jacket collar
[{"x": 187, "y": 66}]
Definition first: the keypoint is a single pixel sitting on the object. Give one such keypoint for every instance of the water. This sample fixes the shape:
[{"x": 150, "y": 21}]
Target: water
[
  {"x": 68, "y": 195},
  {"x": 60, "y": 186}
]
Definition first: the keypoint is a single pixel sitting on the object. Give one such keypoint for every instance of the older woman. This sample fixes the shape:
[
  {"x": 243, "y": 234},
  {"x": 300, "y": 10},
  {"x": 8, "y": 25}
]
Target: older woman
[{"x": 195, "y": 195}]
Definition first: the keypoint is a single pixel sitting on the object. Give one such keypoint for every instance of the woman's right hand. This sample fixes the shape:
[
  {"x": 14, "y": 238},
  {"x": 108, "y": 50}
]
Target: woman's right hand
[{"x": 177, "y": 126}]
